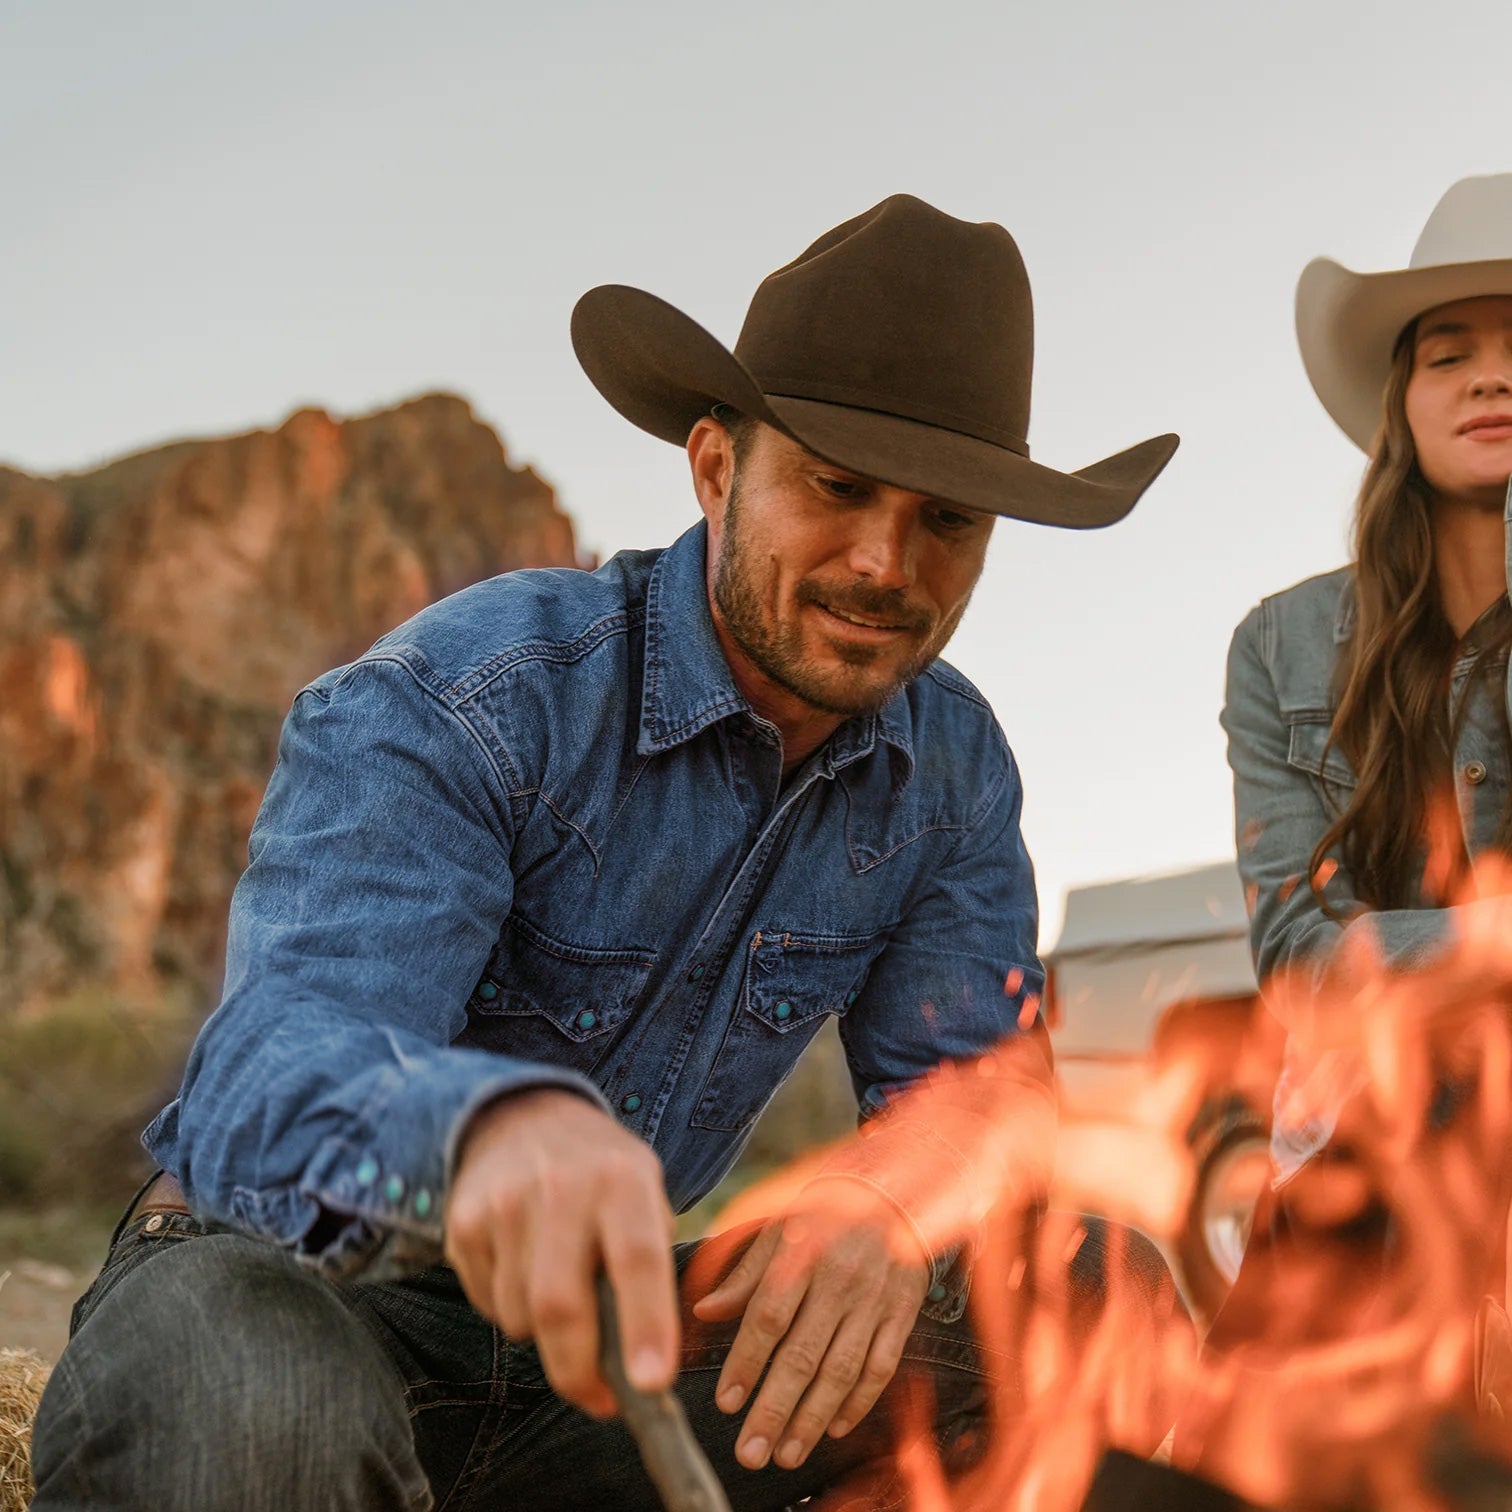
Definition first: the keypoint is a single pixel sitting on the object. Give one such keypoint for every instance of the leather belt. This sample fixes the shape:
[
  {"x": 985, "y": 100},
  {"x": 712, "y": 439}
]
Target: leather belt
[{"x": 163, "y": 1195}]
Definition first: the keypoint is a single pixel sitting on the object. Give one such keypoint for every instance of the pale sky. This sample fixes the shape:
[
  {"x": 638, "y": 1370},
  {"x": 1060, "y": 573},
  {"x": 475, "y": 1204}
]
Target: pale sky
[{"x": 215, "y": 214}]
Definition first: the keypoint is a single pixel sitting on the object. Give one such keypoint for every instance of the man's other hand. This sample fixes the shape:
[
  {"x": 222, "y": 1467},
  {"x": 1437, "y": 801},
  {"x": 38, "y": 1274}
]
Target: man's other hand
[
  {"x": 549, "y": 1190},
  {"x": 833, "y": 1287}
]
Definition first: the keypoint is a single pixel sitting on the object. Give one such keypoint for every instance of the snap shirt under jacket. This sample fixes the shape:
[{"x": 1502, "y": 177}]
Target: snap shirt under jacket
[{"x": 536, "y": 837}]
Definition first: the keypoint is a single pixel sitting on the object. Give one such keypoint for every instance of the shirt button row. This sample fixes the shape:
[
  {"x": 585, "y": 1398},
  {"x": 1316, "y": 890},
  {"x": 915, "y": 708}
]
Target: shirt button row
[{"x": 394, "y": 1188}]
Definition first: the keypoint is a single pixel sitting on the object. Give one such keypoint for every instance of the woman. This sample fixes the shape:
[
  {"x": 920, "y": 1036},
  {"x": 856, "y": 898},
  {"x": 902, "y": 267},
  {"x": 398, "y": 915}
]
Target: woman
[
  {"x": 1369, "y": 735},
  {"x": 1369, "y": 702}
]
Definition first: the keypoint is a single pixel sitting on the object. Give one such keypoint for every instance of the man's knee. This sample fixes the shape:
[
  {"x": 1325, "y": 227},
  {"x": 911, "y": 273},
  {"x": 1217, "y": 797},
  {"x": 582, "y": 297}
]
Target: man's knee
[{"x": 218, "y": 1373}]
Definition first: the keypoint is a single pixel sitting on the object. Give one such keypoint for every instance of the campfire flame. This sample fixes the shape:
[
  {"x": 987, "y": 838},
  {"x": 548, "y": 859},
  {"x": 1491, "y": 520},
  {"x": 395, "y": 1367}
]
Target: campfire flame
[{"x": 1368, "y": 1314}]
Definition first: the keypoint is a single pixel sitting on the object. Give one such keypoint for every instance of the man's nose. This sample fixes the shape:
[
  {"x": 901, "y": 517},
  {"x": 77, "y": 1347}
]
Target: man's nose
[{"x": 884, "y": 551}]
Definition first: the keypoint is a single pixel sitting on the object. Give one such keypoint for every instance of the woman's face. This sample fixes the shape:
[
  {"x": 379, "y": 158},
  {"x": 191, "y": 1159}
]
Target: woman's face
[{"x": 1459, "y": 399}]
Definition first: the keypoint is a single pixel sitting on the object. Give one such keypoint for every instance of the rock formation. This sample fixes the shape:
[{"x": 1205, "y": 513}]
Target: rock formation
[{"x": 158, "y": 614}]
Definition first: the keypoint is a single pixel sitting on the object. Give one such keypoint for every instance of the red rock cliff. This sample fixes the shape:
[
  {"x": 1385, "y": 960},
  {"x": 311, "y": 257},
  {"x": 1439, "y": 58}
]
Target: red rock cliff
[{"x": 157, "y": 616}]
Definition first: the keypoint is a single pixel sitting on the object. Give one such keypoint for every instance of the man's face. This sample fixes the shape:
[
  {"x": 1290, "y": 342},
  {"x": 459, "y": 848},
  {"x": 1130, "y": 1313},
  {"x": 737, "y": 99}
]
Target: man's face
[{"x": 836, "y": 588}]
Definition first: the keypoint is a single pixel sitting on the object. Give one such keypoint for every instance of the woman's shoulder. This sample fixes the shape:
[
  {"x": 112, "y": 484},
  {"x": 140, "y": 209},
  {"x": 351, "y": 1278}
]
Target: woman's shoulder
[{"x": 1317, "y": 611}]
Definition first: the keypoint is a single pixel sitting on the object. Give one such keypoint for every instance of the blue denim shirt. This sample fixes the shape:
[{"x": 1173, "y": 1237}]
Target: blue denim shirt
[
  {"x": 1289, "y": 784},
  {"x": 536, "y": 837}
]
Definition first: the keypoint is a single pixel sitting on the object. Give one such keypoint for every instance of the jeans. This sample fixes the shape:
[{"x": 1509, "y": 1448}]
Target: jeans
[{"x": 208, "y": 1370}]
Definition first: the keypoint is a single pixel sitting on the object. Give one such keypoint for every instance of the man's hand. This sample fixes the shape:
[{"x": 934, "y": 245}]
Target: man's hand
[
  {"x": 548, "y": 1190},
  {"x": 834, "y": 1287}
]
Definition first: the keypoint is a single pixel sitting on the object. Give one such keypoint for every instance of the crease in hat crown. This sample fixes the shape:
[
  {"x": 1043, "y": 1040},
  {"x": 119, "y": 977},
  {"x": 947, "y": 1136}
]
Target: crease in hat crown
[
  {"x": 1348, "y": 323},
  {"x": 898, "y": 345}
]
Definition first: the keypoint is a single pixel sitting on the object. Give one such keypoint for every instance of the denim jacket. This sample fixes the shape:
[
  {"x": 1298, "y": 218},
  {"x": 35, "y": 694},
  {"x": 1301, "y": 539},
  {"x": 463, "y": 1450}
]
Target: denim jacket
[
  {"x": 536, "y": 837},
  {"x": 1289, "y": 784}
]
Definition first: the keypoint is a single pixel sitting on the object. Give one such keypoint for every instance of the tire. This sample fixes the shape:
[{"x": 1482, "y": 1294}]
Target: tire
[{"x": 1230, "y": 1145}]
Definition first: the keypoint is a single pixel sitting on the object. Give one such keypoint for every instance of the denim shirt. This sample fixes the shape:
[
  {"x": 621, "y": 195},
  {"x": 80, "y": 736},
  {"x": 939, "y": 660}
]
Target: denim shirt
[
  {"x": 1289, "y": 785},
  {"x": 536, "y": 837}
]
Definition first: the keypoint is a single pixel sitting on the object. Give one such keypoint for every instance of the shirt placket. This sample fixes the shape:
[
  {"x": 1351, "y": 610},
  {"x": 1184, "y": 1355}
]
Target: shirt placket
[{"x": 719, "y": 950}]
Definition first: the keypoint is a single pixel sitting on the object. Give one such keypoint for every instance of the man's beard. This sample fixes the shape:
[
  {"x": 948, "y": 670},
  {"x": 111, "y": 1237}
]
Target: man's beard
[{"x": 777, "y": 652}]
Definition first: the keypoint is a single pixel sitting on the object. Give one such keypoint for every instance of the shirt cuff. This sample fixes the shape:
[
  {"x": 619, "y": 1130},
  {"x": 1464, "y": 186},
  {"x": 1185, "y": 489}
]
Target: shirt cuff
[{"x": 369, "y": 1204}]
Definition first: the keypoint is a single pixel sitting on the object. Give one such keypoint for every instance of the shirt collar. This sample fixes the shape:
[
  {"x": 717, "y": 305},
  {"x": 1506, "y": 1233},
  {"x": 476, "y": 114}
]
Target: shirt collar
[{"x": 688, "y": 684}]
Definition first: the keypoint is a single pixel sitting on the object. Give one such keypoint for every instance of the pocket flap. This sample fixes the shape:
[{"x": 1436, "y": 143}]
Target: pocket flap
[
  {"x": 793, "y": 979},
  {"x": 1309, "y": 751},
  {"x": 586, "y": 991}
]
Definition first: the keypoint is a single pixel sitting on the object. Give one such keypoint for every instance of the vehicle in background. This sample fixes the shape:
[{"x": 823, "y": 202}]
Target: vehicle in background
[{"x": 1151, "y": 973}]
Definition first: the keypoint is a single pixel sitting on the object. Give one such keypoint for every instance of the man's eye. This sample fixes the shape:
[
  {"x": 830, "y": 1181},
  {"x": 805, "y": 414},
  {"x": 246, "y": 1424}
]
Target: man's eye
[
  {"x": 1445, "y": 360},
  {"x": 954, "y": 519},
  {"x": 840, "y": 488}
]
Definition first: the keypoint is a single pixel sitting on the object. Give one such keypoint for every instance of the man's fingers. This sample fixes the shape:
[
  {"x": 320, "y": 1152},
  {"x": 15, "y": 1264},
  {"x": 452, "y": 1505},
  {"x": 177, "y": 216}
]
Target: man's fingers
[
  {"x": 728, "y": 1299},
  {"x": 845, "y": 1364},
  {"x": 563, "y": 1310},
  {"x": 638, "y": 1258},
  {"x": 799, "y": 1360},
  {"x": 766, "y": 1318},
  {"x": 882, "y": 1361}
]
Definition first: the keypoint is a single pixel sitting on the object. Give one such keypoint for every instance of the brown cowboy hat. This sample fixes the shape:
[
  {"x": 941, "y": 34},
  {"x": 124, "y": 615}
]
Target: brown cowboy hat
[{"x": 898, "y": 346}]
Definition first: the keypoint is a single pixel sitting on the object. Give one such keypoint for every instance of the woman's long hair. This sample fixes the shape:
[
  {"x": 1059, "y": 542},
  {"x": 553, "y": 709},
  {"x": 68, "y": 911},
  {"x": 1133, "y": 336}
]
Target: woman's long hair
[{"x": 1391, "y": 682}]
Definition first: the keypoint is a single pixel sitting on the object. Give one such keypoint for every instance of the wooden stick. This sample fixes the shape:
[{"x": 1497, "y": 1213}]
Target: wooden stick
[{"x": 673, "y": 1458}]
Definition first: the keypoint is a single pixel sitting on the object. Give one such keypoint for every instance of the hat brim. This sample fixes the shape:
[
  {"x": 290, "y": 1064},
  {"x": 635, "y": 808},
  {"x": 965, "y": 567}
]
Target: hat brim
[
  {"x": 663, "y": 372},
  {"x": 1348, "y": 324}
]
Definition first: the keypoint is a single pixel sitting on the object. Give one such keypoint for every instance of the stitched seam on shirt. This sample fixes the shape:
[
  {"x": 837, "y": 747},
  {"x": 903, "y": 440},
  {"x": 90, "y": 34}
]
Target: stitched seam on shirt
[
  {"x": 703, "y": 717},
  {"x": 620, "y": 622},
  {"x": 577, "y": 829},
  {"x": 887, "y": 855},
  {"x": 965, "y": 826},
  {"x": 953, "y": 682},
  {"x": 493, "y": 754}
]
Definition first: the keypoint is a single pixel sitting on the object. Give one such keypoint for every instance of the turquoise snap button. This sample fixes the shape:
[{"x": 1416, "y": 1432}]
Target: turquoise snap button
[
  {"x": 696, "y": 972},
  {"x": 632, "y": 1103},
  {"x": 367, "y": 1171},
  {"x": 422, "y": 1203},
  {"x": 937, "y": 1292},
  {"x": 394, "y": 1187},
  {"x": 487, "y": 991},
  {"x": 850, "y": 997},
  {"x": 783, "y": 1011},
  {"x": 587, "y": 1019}
]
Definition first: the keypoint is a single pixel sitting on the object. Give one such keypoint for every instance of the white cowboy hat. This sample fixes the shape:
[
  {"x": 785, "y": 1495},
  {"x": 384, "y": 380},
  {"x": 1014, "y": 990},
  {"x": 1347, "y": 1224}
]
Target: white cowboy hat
[{"x": 1348, "y": 323}]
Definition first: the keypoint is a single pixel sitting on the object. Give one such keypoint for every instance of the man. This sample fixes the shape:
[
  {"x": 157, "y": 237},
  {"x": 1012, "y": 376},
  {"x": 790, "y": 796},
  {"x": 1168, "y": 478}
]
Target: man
[{"x": 547, "y": 894}]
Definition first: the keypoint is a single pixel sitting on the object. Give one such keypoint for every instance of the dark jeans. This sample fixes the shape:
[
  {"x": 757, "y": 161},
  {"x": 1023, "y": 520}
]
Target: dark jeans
[{"x": 208, "y": 1370}]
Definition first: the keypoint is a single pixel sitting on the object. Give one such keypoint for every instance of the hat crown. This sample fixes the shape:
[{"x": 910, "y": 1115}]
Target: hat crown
[
  {"x": 1471, "y": 223},
  {"x": 903, "y": 310}
]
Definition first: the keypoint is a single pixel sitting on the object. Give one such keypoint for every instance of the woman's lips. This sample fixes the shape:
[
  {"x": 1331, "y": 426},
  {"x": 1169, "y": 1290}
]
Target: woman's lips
[{"x": 1487, "y": 428}]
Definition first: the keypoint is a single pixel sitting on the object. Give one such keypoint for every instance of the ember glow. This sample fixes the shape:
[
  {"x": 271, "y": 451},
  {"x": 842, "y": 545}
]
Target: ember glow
[{"x": 1367, "y": 1331}]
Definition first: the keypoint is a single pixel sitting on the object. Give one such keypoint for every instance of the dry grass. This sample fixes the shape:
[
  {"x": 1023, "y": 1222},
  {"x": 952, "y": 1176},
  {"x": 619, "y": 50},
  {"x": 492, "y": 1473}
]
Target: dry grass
[{"x": 22, "y": 1377}]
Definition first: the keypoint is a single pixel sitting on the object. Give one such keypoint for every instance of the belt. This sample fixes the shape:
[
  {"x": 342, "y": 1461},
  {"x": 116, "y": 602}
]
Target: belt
[{"x": 163, "y": 1195}]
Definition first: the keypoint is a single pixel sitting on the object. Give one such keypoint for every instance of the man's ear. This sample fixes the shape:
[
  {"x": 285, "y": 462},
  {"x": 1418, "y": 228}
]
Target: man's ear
[{"x": 711, "y": 458}]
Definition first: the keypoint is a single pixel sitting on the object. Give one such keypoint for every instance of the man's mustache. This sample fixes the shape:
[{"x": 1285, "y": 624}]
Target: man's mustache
[{"x": 888, "y": 604}]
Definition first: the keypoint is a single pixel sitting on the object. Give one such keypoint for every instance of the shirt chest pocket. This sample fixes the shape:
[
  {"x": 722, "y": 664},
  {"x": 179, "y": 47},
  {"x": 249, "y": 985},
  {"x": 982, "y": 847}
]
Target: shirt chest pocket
[
  {"x": 791, "y": 983},
  {"x": 555, "y": 1001},
  {"x": 1308, "y": 750}
]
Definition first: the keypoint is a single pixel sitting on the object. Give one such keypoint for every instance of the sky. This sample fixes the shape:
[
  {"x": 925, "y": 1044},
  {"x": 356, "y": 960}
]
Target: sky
[{"x": 216, "y": 214}]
